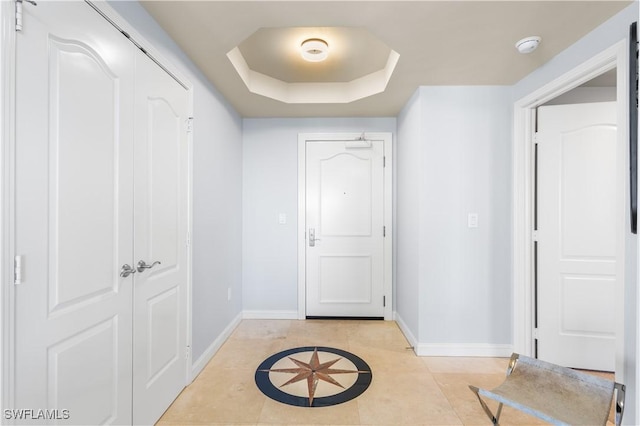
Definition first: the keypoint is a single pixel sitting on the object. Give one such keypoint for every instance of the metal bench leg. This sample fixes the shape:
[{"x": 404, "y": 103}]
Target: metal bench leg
[
  {"x": 620, "y": 393},
  {"x": 494, "y": 419}
]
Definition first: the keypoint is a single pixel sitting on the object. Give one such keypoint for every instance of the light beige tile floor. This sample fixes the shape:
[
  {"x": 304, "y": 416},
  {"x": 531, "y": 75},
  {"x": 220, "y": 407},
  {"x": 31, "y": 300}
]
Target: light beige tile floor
[{"x": 406, "y": 389}]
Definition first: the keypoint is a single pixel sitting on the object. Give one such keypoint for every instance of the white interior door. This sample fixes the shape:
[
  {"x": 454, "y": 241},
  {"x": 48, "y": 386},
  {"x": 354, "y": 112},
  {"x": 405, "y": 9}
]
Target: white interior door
[
  {"x": 160, "y": 344},
  {"x": 73, "y": 215},
  {"x": 345, "y": 229},
  {"x": 101, "y": 181},
  {"x": 578, "y": 222}
]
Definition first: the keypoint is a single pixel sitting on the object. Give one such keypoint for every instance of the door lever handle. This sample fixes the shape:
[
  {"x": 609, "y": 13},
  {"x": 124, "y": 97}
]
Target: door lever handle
[
  {"x": 312, "y": 237},
  {"x": 142, "y": 265},
  {"x": 126, "y": 270}
]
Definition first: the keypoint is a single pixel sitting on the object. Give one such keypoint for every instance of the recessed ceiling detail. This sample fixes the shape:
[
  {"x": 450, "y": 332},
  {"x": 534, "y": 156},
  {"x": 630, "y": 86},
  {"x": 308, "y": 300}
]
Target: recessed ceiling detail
[
  {"x": 270, "y": 64},
  {"x": 431, "y": 36}
]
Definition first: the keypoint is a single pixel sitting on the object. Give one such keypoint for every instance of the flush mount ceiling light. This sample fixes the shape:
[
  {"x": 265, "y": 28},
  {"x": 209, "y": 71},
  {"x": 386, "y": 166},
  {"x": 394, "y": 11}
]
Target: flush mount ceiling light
[
  {"x": 314, "y": 50},
  {"x": 528, "y": 44}
]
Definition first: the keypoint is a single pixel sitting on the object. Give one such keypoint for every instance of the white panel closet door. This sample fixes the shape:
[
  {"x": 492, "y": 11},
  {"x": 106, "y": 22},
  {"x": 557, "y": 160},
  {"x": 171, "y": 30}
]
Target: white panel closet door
[
  {"x": 160, "y": 292},
  {"x": 101, "y": 181},
  {"x": 73, "y": 210}
]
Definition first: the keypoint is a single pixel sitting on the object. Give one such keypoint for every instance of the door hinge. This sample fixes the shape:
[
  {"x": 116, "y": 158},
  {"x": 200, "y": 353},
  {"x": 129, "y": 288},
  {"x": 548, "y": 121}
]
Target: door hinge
[
  {"x": 384, "y": 161},
  {"x": 384, "y": 301},
  {"x": 188, "y": 242},
  {"x": 187, "y": 352},
  {"x": 535, "y": 333},
  {"x": 190, "y": 125},
  {"x": 19, "y": 12},
  {"x": 535, "y": 138},
  {"x": 534, "y": 235},
  {"x": 17, "y": 270},
  {"x": 384, "y": 231}
]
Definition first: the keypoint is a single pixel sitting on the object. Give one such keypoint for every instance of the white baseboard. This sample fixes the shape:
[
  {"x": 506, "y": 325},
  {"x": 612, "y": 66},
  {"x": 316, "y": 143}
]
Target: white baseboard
[
  {"x": 201, "y": 362},
  {"x": 406, "y": 331},
  {"x": 453, "y": 349},
  {"x": 272, "y": 315}
]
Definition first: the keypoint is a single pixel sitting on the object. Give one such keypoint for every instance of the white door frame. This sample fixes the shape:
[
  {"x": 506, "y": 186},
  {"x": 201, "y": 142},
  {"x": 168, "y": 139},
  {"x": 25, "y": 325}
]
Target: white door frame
[
  {"x": 523, "y": 201},
  {"x": 7, "y": 133},
  {"x": 388, "y": 204},
  {"x": 7, "y": 185}
]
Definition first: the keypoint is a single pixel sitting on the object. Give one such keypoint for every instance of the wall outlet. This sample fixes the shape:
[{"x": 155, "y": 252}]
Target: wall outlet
[
  {"x": 228, "y": 293},
  {"x": 472, "y": 220}
]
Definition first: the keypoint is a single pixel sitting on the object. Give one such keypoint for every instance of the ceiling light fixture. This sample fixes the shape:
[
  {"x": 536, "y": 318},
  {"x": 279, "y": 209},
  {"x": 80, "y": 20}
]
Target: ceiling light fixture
[
  {"x": 314, "y": 50},
  {"x": 528, "y": 44}
]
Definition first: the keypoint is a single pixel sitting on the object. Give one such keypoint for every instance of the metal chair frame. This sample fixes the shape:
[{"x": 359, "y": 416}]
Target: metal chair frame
[{"x": 513, "y": 362}]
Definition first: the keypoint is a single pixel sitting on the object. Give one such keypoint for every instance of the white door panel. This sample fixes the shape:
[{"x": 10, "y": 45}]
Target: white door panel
[
  {"x": 344, "y": 214},
  {"x": 74, "y": 165},
  {"x": 160, "y": 236},
  {"x": 101, "y": 181},
  {"x": 578, "y": 218}
]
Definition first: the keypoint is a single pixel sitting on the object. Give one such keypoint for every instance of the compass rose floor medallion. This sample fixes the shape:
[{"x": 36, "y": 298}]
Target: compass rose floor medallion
[{"x": 313, "y": 376}]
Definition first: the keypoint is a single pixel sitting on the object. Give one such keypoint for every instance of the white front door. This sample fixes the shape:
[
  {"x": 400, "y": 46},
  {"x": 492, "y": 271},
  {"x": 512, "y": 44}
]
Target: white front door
[
  {"x": 160, "y": 291},
  {"x": 73, "y": 215},
  {"x": 345, "y": 229},
  {"x": 578, "y": 225}
]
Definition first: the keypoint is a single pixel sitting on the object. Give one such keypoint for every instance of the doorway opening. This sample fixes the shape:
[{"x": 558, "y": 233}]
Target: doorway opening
[
  {"x": 614, "y": 58},
  {"x": 577, "y": 225}
]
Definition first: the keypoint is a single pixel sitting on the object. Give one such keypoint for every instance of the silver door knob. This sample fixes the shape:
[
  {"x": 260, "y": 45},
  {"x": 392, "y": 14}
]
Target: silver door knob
[
  {"x": 126, "y": 270},
  {"x": 142, "y": 265}
]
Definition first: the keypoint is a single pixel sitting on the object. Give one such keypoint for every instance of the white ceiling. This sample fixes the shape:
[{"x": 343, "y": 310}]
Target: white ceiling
[{"x": 439, "y": 43}]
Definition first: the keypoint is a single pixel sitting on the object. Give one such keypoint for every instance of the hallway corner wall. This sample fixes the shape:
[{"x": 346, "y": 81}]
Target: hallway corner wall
[
  {"x": 455, "y": 144},
  {"x": 408, "y": 187}
]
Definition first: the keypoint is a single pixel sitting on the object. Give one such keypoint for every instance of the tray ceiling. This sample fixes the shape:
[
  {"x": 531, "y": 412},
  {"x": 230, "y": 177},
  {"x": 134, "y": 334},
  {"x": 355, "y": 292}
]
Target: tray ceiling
[{"x": 438, "y": 43}]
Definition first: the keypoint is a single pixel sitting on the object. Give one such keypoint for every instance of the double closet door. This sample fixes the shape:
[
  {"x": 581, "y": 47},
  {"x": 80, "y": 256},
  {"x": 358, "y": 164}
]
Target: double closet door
[{"x": 100, "y": 188}]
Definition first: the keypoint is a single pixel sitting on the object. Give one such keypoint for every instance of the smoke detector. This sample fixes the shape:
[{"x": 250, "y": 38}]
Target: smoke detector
[{"x": 528, "y": 44}]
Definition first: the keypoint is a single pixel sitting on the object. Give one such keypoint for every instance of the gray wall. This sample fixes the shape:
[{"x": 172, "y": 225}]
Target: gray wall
[
  {"x": 409, "y": 185},
  {"x": 217, "y": 189},
  {"x": 466, "y": 161},
  {"x": 454, "y": 159},
  {"x": 270, "y": 187}
]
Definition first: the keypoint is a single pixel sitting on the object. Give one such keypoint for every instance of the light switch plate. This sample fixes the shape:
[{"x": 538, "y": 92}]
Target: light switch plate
[{"x": 472, "y": 220}]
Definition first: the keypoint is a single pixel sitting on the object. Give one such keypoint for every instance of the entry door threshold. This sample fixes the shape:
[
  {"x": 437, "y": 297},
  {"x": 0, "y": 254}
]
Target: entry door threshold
[{"x": 314, "y": 317}]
